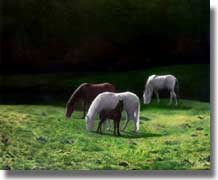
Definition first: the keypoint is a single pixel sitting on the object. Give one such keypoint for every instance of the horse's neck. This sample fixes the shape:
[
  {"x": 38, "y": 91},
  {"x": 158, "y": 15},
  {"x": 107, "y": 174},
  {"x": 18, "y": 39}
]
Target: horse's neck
[
  {"x": 92, "y": 116},
  {"x": 93, "y": 110},
  {"x": 151, "y": 87},
  {"x": 75, "y": 97}
]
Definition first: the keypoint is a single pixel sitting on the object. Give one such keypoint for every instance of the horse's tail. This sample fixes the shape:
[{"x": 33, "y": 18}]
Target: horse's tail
[
  {"x": 137, "y": 116},
  {"x": 177, "y": 89}
]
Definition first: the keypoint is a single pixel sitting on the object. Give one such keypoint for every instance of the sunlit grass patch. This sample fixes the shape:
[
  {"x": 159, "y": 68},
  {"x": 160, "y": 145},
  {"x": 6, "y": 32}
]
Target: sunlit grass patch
[{"x": 40, "y": 137}]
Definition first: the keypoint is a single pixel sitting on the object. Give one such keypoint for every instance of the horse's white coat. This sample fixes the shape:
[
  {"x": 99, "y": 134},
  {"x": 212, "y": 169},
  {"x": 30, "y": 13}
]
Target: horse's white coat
[
  {"x": 108, "y": 101},
  {"x": 156, "y": 83}
]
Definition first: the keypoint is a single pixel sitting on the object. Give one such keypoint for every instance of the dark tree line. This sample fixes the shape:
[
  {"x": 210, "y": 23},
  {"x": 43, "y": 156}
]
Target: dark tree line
[{"x": 43, "y": 35}]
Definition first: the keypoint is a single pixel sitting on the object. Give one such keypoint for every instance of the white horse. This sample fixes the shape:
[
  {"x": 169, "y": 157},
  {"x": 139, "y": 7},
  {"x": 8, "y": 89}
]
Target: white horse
[
  {"x": 108, "y": 101},
  {"x": 156, "y": 83}
]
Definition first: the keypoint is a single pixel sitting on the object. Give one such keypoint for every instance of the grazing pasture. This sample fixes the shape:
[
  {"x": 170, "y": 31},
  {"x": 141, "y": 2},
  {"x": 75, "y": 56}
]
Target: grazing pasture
[
  {"x": 36, "y": 135},
  {"x": 39, "y": 137}
]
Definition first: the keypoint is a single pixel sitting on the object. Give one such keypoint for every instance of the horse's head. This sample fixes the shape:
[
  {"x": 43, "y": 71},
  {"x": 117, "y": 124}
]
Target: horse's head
[
  {"x": 120, "y": 104},
  {"x": 69, "y": 110}
]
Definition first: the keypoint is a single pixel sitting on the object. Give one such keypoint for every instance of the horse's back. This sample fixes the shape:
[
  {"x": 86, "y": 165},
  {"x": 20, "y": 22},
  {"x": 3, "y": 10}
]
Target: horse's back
[
  {"x": 165, "y": 81},
  {"x": 110, "y": 86},
  {"x": 130, "y": 100},
  {"x": 110, "y": 99},
  {"x": 92, "y": 90},
  {"x": 170, "y": 76},
  {"x": 166, "y": 76},
  {"x": 106, "y": 100},
  {"x": 128, "y": 95},
  {"x": 105, "y": 86},
  {"x": 171, "y": 79}
]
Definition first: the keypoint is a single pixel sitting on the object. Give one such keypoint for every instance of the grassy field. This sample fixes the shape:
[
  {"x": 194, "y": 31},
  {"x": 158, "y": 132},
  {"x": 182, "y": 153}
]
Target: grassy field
[{"x": 39, "y": 137}]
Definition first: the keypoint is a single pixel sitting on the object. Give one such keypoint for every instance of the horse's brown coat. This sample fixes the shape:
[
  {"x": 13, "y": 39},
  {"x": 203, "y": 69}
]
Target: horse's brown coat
[{"x": 87, "y": 93}]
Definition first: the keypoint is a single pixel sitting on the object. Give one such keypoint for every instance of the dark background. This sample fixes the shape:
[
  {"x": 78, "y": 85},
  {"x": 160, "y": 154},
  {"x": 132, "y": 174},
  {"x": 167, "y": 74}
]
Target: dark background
[
  {"x": 49, "y": 47},
  {"x": 97, "y": 35}
]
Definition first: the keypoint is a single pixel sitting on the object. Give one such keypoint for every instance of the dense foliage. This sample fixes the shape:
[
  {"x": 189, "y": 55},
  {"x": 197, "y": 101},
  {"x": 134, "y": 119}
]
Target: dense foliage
[
  {"x": 119, "y": 20},
  {"x": 65, "y": 35}
]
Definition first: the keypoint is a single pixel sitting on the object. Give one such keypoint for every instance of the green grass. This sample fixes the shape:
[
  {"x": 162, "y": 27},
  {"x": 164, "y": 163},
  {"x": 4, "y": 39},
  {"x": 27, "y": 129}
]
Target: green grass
[{"x": 39, "y": 137}]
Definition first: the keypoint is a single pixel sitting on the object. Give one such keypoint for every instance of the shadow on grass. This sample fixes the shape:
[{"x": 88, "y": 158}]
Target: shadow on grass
[
  {"x": 139, "y": 135},
  {"x": 181, "y": 106},
  {"x": 73, "y": 118},
  {"x": 143, "y": 118},
  {"x": 131, "y": 135}
]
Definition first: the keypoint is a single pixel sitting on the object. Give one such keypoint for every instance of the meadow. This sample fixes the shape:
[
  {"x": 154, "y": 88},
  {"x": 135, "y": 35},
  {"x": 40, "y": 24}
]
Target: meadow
[{"x": 38, "y": 136}]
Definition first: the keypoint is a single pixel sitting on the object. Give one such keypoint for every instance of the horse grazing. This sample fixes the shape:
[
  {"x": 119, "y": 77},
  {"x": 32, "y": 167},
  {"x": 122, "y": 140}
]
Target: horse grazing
[
  {"x": 108, "y": 101},
  {"x": 87, "y": 93},
  {"x": 156, "y": 83},
  {"x": 114, "y": 114}
]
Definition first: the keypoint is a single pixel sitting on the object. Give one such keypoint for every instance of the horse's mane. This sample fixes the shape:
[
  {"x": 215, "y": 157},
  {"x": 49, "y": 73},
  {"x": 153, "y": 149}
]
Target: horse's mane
[
  {"x": 77, "y": 92},
  {"x": 150, "y": 78},
  {"x": 94, "y": 105},
  {"x": 92, "y": 111}
]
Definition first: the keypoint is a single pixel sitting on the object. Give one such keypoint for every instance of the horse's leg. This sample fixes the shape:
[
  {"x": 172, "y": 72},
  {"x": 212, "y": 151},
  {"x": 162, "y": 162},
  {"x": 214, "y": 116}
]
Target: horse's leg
[
  {"x": 115, "y": 125},
  {"x": 136, "y": 120},
  {"x": 109, "y": 124},
  {"x": 157, "y": 95},
  {"x": 124, "y": 127},
  {"x": 118, "y": 127},
  {"x": 99, "y": 126},
  {"x": 171, "y": 97},
  {"x": 104, "y": 125},
  {"x": 127, "y": 120},
  {"x": 174, "y": 95},
  {"x": 101, "y": 122}
]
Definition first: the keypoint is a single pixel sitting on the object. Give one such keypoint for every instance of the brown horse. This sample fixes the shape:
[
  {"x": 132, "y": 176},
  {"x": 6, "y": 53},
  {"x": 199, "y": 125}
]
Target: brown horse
[
  {"x": 87, "y": 93},
  {"x": 114, "y": 114}
]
